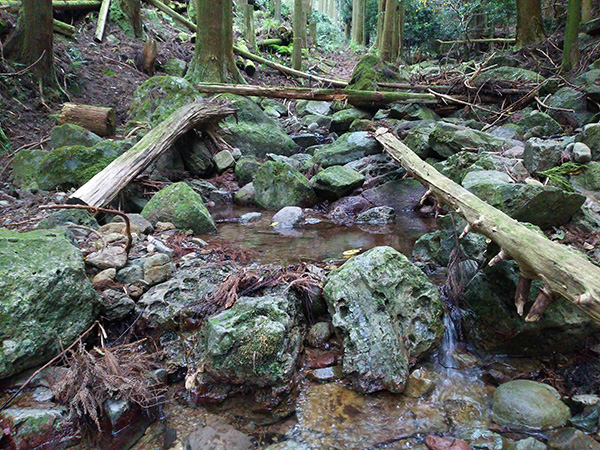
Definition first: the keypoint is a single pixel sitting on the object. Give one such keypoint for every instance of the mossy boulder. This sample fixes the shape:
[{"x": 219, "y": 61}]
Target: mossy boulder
[
  {"x": 336, "y": 181},
  {"x": 417, "y": 139},
  {"x": 589, "y": 179},
  {"x": 181, "y": 205},
  {"x": 65, "y": 167},
  {"x": 591, "y": 137},
  {"x": 568, "y": 98},
  {"x": 64, "y": 217},
  {"x": 447, "y": 139},
  {"x": 175, "y": 67},
  {"x": 254, "y": 344},
  {"x": 255, "y": 133},
  {"x": 371, "y": 70},
  {"x": 538, "y": 124},
  {"x": 388, "y": 314},
  {"x": 156, "y": 98},
  {"x": 46, "y": 299},
  {"x": 491, "y": 322},
  {"x": 457, "y": 166},
  {"x": 312, "y": 107},
  {"x": 349, "y": 147},
  {"x": 277, "y": 185},
  {"x": 509, "y": 74},
  {"x": 412, "y": 111},
  {"x": 69, "y": 134},
  {"x": 341, "y": 120},
  {"x": 245, "y": 169},
  {"x": 542, "y": 154}
]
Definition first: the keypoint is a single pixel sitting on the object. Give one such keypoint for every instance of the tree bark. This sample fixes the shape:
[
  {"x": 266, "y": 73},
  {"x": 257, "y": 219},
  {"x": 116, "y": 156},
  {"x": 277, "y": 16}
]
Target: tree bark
[
  {"x": 32, "y": 42},
  {"x": 213, "y": 54},
  {"x": 586, "y": 10},
  {"x": 102, "y": 17},
  {"x": 298, "y": 44},
  {"x": 563, "y": 271},
  {"x": 132, "y": 11},
  {"x": 358, "y": 98},
  {"x": 530, "y": 29},
  {"x": 249, "y": 33},
  {"x": 386, "y": 49},
  {"x": 571, "y": 54},
  {"x": 97, "y": 119},
  {"x": 277, "y": 10},
  {"x": 105, "y": 186},
  {"x": 358, "y": 22},
  {"x": 57, "y": 5}
]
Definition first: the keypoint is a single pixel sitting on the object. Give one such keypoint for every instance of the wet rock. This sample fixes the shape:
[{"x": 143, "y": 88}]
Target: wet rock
[
  {"x": 288, "y": 445},
  {"x": 109, "y": 257},
  {"x": 216, "y": 434},
  {"x": 45, "y": 295},
  {"x": 306, "y": 107},
  {"x": 380, "y": 215},
  {"x": 402, "y": 195},
  {"x": 341, "y": 120},
  {"x": 590, "y": 177},
  {"x": 447, "y": 139},
  {"x": 326, "y": 374},
  {"x": 319, "y": 334},
  {"x": 254, "y": 344},
  {"x": 196, "y": 156},
  {"x": 345, "y": 210},
  {"x": 510, "y": 74},
  {"x": 349, "y": 147},
  {"x": 157, "y": 269},
  {"x": 68, "y": 217},
  {"x": 288, "y": 217},
  {"x": 489, "y": 312},
  {"x": 581, "y": 153},
  {"x": 573, "y": 99},
  {"x": 250, "y": 217},
  {"x": 255, "y": 133},
  {"x": 387, "y": 313},
  {"x": 440, "y": 443},
  {"x": 42, "y": 427},
  {"x": 591, "y": 137},
  {"x": 529, "y": 444},
  {"x": 105, "y": 275},
  {"x": 224, "y": 160},
  {"x": 278, "y": 185},
  {"x": 529, "y": 404},
  {"x": 116, "y": 304},
  {"x": 485, "y": 439},
  {"x": 246, "y": 196},
  {"x": 70, "y": 134},
  {"x": 336, "y": 181},
  {"x": 417, "y": 139},
  {"x": 538, "y": 124},
  {"x": 542, "y": 154},
  {"x": 245, "y": 169},
  {"x": 179, "y": 204},
  {"x": 125, "y": 424},
  {"x": 571, "y": 439},
  {"x": 420, "y": 382}
]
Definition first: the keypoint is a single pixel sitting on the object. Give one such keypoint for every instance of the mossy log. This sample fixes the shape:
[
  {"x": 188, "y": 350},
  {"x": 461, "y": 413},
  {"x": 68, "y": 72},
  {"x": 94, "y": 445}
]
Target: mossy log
[
  {"x": 358, "y": 98},
  {"x": 105, "y": 185},
  {"x": 97, "y": 119},
  {"x": 563, "y": 271},
  {"x": 57, "y": 5},
  {"x": 63, "y": 28}
]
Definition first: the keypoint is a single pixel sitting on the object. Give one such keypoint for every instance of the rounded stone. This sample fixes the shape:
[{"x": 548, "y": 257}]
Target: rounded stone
[
  {"x": 529, "y": 404},
  {"x": 319, "y": 334}
]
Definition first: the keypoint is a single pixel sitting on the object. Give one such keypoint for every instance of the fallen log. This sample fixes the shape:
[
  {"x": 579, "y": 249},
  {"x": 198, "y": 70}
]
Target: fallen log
[
  {"x": 359, "y": 98},
  {"x": 57, "y": 5},
  {"x": 105, "y": 185},
  {"x": 102, "y": 17},
  {"x": 286, "y": 70},
  {"x": 63, "y": 28},
  {"x": 563, "y": 271},
  {"x": 269, "y": 42},
  {"x": 479, "y": 41},
  {"x": 97, "y": 119}
]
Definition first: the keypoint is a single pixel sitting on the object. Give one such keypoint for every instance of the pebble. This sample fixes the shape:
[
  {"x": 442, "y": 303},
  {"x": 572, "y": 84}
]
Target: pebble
[
  {"x": 164, "y": 226},
  {"x": 106, "y": 275}
]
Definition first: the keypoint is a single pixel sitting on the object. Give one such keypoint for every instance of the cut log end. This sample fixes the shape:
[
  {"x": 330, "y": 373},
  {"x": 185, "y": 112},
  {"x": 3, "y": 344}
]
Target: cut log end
[{"x": 96, "y": 119}]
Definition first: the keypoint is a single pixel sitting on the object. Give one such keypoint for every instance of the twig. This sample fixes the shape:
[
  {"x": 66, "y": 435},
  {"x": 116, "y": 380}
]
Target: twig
[
  {"x": 91, "y": 230},
  {"x": 460, "y": 102},
  {"x": 25, "y": 70},
  {"x": 49, "y": 363},
  {"x": 96, "y": 210},
  {"x": 552, "y": 108}
]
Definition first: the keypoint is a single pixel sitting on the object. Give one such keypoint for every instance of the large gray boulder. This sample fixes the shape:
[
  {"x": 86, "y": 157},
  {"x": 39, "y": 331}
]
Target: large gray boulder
[
  {"x": 565, "y": 99},
  {"x": 255, "y": 133},
  {"x": 542, "y": 154},
  {"x": 277, "y": 185},
  {"x": 45, "y": 297},
  {"x": 349, "y": 147},
  {"x": 387, "y": 312},
  {"x": 69, "y": 134},
  {"x": 530, "y": 405},
  {"x": 447, "y": 139},
  {"x": 181, "y": 205},
  {"x": 490, "y": 318}
]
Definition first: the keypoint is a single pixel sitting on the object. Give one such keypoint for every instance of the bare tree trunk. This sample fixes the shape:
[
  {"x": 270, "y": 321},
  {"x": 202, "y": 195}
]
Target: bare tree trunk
[
  {"x": 571, "y": 46},
  {"x": 401, "y": 21},
  {"x": 586, "y": 10},
  {"x": 297, "y": 24},
  {"x": 31, "y": 43},
  {"x": 249, "y": 34},
  {"x": 380, "y": 17},
  {"x": 530, "y": 29},
  {"x": 358, "y": 22},
  {"x": 386, "y": 49},
  {"x": 277, "y": 9},
  {"x": 213, "y": 54}
]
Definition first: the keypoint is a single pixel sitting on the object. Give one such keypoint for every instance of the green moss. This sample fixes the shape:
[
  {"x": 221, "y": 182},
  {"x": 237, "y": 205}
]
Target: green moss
[
  {"x": 278, "y": 185},
  {"x": 369, "y": 71}
]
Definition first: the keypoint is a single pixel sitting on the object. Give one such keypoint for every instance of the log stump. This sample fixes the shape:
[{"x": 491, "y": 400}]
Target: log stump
[{"x": 97, "y": 119}]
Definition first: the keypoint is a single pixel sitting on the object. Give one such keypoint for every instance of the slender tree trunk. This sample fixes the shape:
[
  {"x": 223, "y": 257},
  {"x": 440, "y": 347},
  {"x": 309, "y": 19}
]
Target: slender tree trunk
[
  {"x": 530, "y": 28},
  {"x": 571, "y": 46},
  {"x": 31, "y": 43},
  {"x": 401, "y": 22},
  {"x": 586, "y": 10},
  {"x": 386, "y": 50},
  {"x": 249, "y": 34},
  {"x": 358, "y": 22},
  {"x": 213, "y": 54},
  {"x": 297, "y": 24},
  {"x": 277, "y": 9},
  {"x": 380, "y": 16}
]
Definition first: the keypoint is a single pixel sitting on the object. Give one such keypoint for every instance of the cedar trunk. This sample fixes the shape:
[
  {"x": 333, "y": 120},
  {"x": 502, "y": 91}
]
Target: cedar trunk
[
  {"x": 530, "y": 29},
  {"x": 31, "y": 43},
  {"x": 213, "y": 54},
  {"x": 358, "y": 22},
  {"x": 571, "y": 46},
  {"x": 386, "y": 49},
  {"x": 586, "y": 10},
  {"x": 298, "y": 44}
]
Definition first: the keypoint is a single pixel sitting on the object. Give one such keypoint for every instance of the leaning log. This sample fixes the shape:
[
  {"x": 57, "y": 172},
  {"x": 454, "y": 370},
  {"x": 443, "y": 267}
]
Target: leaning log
[
  {"x": 563, "y": 271},
  {"x": 357, "y": 98},
  {"x": 57, "y": 5},
  {"x": 105, "y": 185},
  {"x": 63, "y": 28},
  {"x": 97, "y": 119}
]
